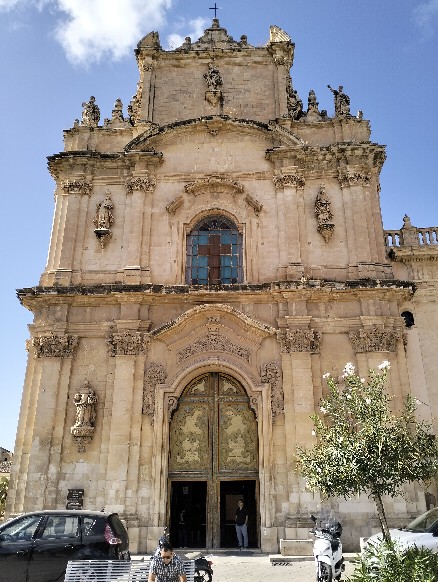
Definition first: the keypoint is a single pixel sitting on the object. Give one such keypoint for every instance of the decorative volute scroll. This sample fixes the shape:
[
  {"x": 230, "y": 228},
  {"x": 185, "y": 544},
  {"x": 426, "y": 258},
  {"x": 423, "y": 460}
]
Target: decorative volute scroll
[
  {"x": 76, "y": 187},
  {"x": 375, "y": 340},
  {"x": 270, "y": 374},
  {"x": 155, "y": 374},
  {"x": 324, "y": 215},
  {"x": 86, "y": 413},
  {"x": 103, "y": 219},
  {"x": 142, "y": 183},
  {"x": 55, "y": 346},
  {"x": 299, "y": 340},
  {"x": 128, "y": 343}
]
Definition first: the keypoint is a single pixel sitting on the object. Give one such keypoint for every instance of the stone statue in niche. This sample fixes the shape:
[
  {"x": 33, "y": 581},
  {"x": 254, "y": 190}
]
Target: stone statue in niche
[
  {"x": 104, "y": 218},
  {"x": 342, "y": 102},
  {"x": 84, "y": 426},
  {"x": 324, "y": 215},
  {"x": 90, "y": 113}
]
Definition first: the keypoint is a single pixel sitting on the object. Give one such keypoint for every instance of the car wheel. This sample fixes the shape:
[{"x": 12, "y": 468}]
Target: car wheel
[{"x": 85, "y": 575}]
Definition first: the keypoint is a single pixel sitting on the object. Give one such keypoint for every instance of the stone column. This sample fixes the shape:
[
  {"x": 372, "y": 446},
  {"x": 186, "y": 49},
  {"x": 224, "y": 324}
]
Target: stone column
[
  {"x": 297, "y": 343},
  {"x": 290, "y": 209},
  {"x": 137, "y": 228},
  {"x": 127, "y": 347},
  {"x": 49, "y": 394}
]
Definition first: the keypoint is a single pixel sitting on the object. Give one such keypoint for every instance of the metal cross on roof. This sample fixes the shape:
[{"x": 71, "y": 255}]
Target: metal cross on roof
[{"x": 215, "y": 8}]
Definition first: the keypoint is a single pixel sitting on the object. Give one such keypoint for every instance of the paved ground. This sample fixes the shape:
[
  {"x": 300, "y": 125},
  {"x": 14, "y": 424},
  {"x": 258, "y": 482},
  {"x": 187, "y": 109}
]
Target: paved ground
[{"x": 254, "y": 567}]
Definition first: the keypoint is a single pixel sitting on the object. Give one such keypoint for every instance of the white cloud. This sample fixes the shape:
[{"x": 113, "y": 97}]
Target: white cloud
[
  {"x": 6, "y": 5},
  {"x": 94, "y": 29},
  {"x": 195, "y": 29},
  {"x": 424, "y": 15}
]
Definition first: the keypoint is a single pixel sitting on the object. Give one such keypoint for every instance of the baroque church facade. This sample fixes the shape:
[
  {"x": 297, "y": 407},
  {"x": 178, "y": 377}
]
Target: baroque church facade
[{"x": 213, "y": 254}]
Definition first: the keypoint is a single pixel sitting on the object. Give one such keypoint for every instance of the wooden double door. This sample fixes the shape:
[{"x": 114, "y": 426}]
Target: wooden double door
[{"x": 213, "y": 461}]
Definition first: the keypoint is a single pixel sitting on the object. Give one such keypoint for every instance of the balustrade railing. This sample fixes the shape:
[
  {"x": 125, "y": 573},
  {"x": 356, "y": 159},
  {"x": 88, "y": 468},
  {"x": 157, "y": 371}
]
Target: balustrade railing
[{"x": 412, "y": 236}]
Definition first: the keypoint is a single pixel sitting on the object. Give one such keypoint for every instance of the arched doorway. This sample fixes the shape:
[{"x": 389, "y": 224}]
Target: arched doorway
[{"x": 213, "y": 461}]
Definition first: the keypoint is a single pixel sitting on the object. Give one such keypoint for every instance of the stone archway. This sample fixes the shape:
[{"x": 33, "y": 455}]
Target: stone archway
[{"x": 214, "y": 450}]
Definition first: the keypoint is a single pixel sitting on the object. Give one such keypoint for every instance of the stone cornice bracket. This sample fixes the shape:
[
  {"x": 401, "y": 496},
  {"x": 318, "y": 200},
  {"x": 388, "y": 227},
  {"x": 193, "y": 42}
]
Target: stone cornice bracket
[
  {"x": 214, "y": 183},
  {"x": 375, "y": 340},
  {"x": 214, "y": 341},
  {"x": 128, "y": 343},
  {"x": 324, "y": 215},
  {"x": 270, "y": 374},
  {"x": 55, "y": 346},
  {"x": 175, "y": 204},
  {"x": 283, "y": 180},
  {"x": 299, "y": 340},
  {"x": 255, "y": 204},
  {"x": 76, "y": 187},
  {"x": 143, "y": 184},
  {"x": 353, "y": 178},
  {"x": 155, "y": 374}
]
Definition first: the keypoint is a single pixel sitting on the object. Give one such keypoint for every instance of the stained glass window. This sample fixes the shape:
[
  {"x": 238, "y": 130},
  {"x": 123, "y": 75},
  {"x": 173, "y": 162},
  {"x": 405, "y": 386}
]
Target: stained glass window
[{"x": 214, "y": 253}]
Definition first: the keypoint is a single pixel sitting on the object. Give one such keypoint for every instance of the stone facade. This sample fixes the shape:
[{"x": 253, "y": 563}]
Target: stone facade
[{"x": 145, "y": 336}]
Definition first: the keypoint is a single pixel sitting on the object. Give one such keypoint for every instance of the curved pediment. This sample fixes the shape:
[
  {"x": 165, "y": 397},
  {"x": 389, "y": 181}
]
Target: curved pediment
[
  {"x": 212, "y": 124},
  {"x": 216, "y": 314}
]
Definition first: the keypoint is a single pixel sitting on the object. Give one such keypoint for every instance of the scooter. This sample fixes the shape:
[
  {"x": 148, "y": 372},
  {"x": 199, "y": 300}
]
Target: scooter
[
  {"x": 327, "y": 549},
  {"x": 203, "y": 567}
]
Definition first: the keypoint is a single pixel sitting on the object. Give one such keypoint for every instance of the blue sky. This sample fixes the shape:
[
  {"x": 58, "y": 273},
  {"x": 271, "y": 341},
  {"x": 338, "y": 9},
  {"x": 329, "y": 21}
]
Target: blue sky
[{"x": 56, "y": 53}]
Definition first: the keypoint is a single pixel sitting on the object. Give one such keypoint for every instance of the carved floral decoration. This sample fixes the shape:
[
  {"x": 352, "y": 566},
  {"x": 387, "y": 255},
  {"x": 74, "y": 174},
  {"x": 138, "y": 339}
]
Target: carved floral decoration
[
  {"x": 145, "y": 184},
  {"x": 324, "y": 215},
  {"x": 375, "y": 340},
  {"x": 129, "y": 343},
  {"x": 299, "y": 340},
  {"x": 270, "y": 374},
  {"x": 213, "y": 342},
  {"x": 284, "y": 180},
  {"x": 55, "y": 346},
  {"x": 155, "y": 374},
  {"x": 76, "y": 187},
  {"x": 84, "y": 426}
]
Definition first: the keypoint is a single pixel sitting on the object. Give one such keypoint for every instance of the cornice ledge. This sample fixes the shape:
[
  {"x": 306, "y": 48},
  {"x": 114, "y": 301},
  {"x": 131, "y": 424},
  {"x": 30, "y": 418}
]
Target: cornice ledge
[
  {"x": 414, "y": 254},
  {"x": 211, "y": 310}
]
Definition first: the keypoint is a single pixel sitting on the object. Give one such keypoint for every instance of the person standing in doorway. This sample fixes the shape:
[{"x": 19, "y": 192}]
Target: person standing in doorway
[
  {"x": 242, "y": 524},
  {"x": 167, "y": 566}
]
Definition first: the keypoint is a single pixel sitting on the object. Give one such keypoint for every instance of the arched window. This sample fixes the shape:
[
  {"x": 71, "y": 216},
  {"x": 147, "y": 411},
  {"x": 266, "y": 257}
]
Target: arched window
[{"x": 214, "y": 253}]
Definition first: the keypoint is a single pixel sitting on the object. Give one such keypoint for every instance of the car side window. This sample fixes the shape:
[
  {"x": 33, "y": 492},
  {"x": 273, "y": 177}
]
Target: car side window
[
  {"x": 21, "y": 529},
  {"x": 93, "y": 525},
  {"x": 61, "y": 527}
]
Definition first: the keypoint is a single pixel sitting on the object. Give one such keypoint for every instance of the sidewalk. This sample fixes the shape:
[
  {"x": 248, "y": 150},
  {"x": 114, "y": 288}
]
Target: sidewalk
[{"x": 251, "y": 566}]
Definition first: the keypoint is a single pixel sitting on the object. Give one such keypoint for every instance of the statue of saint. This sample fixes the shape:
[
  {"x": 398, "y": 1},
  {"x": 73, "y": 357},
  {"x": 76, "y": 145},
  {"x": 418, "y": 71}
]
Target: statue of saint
[
  {"x": 294, "y": 103},
  {"x": 90, "y": 113},
  {"x": 85, "y": 403},
  {"x": 342, "y": 101},
  {"x": 104, "y": 217}
]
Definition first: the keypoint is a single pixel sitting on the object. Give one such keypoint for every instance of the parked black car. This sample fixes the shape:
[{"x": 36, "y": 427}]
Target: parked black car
[{"x": 35, "y": 547}]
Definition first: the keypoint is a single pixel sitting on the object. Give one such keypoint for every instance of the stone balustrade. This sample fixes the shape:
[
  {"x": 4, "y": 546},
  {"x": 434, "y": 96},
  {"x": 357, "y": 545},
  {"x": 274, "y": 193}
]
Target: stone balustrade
[{"x": 411, "y": 236}]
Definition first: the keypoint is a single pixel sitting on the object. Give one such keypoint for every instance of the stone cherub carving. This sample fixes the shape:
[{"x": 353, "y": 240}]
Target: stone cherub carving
[
  {"x": 342, "y": 102},
  {"x": 90, "y": 113}
]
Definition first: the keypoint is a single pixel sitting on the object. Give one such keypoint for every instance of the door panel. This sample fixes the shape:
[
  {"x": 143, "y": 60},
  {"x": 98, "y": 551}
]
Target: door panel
[{"x": 213, "y": 438}]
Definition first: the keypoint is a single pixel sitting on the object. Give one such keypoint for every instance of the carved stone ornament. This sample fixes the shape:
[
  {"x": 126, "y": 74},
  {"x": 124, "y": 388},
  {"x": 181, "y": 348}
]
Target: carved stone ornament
[
  {"x": 84, "y": 426},
  {"x": 270, "y": 374},
  {"x": 289, "y": 180},
  {"x": 213, "y": 342},
  {"x": 90, "y": 113},
  {"x": 255, "y": 204},
  {"x": 129, "y": 343},
  {"x": 324, "y": 215},
  {"x": 76, "y": 187},
  {"x": 352, "y": 178},
  {"x": 299, "y": 340},
  {"x": 55, "y": 346},
  {"x": 103, "y": 219},
  {"x": 375, "y": 340},
  {"x": 145, "y": 184},
  {"x": 217, "y": 183},
  {"x": 155, "y": 374}
]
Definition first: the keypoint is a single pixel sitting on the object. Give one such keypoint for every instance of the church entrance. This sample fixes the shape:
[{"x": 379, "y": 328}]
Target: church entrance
[{"x": 213, "y": 462}]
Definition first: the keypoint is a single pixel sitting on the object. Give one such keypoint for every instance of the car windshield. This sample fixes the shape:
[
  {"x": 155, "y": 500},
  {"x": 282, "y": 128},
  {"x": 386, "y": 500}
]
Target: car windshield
[{"x": 424, "y": 523}]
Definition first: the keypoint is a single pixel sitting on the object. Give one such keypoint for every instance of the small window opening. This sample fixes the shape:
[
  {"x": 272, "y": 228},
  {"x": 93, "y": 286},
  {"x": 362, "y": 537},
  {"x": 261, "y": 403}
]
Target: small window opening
[{"x": 409, "y": 319}]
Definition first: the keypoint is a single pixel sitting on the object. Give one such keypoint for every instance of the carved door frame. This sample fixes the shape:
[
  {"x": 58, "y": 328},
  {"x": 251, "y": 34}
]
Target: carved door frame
[{"x": 166, "y": 400}]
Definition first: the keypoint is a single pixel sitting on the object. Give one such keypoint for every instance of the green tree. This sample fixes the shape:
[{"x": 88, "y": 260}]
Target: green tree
[
  {"x": 362, "y": 445},
  {"x": 4, "y": 484}
]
